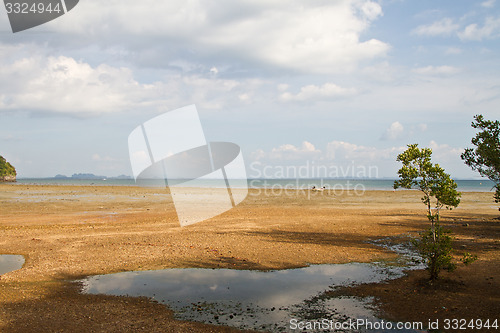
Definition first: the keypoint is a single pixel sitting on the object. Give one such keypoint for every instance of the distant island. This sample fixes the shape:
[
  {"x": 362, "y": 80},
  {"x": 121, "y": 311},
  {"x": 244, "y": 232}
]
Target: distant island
[
  {"x": 90, "y": 176},
  {"x": 7, "y": 171}
]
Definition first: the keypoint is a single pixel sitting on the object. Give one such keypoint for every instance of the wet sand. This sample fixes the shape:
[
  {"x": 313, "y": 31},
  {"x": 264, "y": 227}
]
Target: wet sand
[{"x": 68, "y": 232}]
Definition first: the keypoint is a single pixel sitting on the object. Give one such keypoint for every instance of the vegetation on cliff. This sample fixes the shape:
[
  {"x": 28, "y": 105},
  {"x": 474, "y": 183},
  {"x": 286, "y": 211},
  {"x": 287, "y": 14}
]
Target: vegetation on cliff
[{"x": 7, "y": 171}]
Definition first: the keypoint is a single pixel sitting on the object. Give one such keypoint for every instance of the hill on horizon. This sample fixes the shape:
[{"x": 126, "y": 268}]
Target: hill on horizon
[{"x": 7, "y": 171}]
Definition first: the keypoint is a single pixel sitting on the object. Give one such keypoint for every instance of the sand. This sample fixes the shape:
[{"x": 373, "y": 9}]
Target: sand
[{"x": 69, "y": 232}]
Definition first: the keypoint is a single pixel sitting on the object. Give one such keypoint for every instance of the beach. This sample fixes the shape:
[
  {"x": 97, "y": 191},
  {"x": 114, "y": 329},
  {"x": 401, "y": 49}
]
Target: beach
[{"x": 69, "y": 232}]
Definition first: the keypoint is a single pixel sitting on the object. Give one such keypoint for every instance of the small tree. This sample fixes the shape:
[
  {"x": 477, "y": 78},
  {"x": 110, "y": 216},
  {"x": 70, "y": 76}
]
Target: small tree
[
  {"x": 485, "y": 158},
  {"x": 439, "y": 191}
]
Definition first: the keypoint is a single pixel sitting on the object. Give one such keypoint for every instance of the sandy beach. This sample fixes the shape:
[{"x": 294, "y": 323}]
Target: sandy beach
[{"x": 68, "y": 232}]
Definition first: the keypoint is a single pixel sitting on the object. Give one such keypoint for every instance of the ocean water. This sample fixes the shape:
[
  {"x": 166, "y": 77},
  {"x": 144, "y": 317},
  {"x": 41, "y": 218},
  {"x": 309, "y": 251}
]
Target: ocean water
[{"x": 465, "y": 185}]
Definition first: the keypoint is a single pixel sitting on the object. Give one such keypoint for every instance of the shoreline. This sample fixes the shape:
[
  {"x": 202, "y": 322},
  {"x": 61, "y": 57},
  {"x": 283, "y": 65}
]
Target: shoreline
[
  {"x": 332, "y": 184},
  {"x": 67, "y": 232}
]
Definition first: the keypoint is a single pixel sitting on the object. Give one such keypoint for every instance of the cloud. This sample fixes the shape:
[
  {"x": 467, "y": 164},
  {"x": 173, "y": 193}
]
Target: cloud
[
  {"x": 488, "y": 4},
  {"x": 339, "y": 159},
  {"x": 282, "y": 87},
  {"x": 394, "y": 132},
  {"x": 421, "y": 127},
  {"x": 371, "y": 10},
  {"x": 312, "y": 92},
  {"x": 397, "y": 131},
  {"x": 444, "y": 150},
  {"x": 311, "y": 36},
  {"x": 341, "y": 151},
  {"x": 486, "y": 95},
  {"x": 436, "y": 70},
  {"x": 335, "y": 153},
  {"x": 443, "y": 27},
  {"x": 453, "y": 50},
  {"x": 288, "y": 152},
  {"x": 99, "y": 158},
  {"x": 448, "y": 157},
  {"x": 472, "y": 32},
  {"x": 338, "y": 151},
  {"x": 381, "y": 72},
  {"x": 490, "y": 29},
  {"x": 62, "y": 85}
]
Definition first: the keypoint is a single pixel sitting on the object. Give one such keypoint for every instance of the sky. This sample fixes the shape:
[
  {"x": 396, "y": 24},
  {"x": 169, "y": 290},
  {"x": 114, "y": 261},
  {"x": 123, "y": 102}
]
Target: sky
[{"x": 342, "y": 84}]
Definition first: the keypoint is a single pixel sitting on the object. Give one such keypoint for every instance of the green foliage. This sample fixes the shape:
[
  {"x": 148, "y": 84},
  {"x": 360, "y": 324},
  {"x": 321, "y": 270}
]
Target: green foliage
[
  {"x": 435, "y": 246},
  {"x": 497, "y": 194},
  {"x": 485, "y": 158},
  {"x": 6, "y": 169},
  {"x": 468, "y": 258},
  {"x": 418, "y": 172}
]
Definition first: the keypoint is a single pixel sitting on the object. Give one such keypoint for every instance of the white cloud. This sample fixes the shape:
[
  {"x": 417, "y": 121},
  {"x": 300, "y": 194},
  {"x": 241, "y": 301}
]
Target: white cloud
[
  {"x": 443, "y": 27},
  {"x": 436, "y": 70},
  {"x": 288, "y": 152},
  {"x": 444, "y": 150},
  {"x": 381, "y": 72},
  {"x": 453, "y": 50},
  {"x": 99, "y": 158},
  {"x": 282, "y": 87},
  {"x": 291, "y": 152},
  {"x": 485, "y": 95},
  {"x": 397, "y": 131},
  {"x": 490, "y": 29},
  {"x": 448, "y": 157},
  {"x": 313, "y": 37},
  {"x": 340, "y": 159},
  {"x": 312, "y": 92},
  {"x": 371, "y": 10},
  {"x": 394, "y": 132},
  {"x": 421, "y": 127},
  {"x": 64, "y": 85},
  {"x": 472, "y": 32},
  {"x": 345, "y": 151},
  {"x": 244, "y": 97},
  {"x": 335, "y": 151},
  {"x": 488, "y": 4}
]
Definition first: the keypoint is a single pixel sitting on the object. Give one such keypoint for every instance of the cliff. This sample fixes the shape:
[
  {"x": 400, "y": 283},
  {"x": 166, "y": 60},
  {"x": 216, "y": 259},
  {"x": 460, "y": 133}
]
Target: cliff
[{"x": 7, "y": 171}]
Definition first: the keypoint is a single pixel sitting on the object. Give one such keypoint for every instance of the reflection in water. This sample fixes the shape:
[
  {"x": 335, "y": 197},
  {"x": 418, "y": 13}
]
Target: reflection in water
[
  {"x": 251, "y": 299},
  {"x": 9, "y": 263}
]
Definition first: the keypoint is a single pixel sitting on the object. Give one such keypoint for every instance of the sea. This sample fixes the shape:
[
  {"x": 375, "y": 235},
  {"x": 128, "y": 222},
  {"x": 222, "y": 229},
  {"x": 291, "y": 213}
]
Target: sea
[{"x": 372, "y": 184}]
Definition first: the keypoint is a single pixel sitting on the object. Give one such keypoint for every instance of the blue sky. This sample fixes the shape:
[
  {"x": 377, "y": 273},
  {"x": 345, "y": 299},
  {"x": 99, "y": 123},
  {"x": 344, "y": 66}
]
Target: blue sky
[{"x": 332, "y": 83}]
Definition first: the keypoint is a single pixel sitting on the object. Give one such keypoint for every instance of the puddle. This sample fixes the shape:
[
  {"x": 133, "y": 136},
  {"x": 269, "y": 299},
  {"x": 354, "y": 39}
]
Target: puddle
[
  {"x": 255, "y": 299},
  {"x": 9, "y": 263}
]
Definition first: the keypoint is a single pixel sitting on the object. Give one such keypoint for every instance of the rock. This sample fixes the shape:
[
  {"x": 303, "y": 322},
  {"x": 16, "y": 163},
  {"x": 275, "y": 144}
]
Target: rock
[{"x": 8, "y": 178}]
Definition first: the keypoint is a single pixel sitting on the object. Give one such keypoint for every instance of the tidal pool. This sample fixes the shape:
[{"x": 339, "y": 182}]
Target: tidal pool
[
  {"x": 9, "y": 263},
  {"x": 260, "y": 300}
]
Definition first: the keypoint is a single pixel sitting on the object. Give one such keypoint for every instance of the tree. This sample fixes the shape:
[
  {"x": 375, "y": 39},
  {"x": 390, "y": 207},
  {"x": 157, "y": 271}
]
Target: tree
[
  {"x": 436, "y": 185},
  {"x": 440, "y": 191},
  {"x": 485, "y": 158}
]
